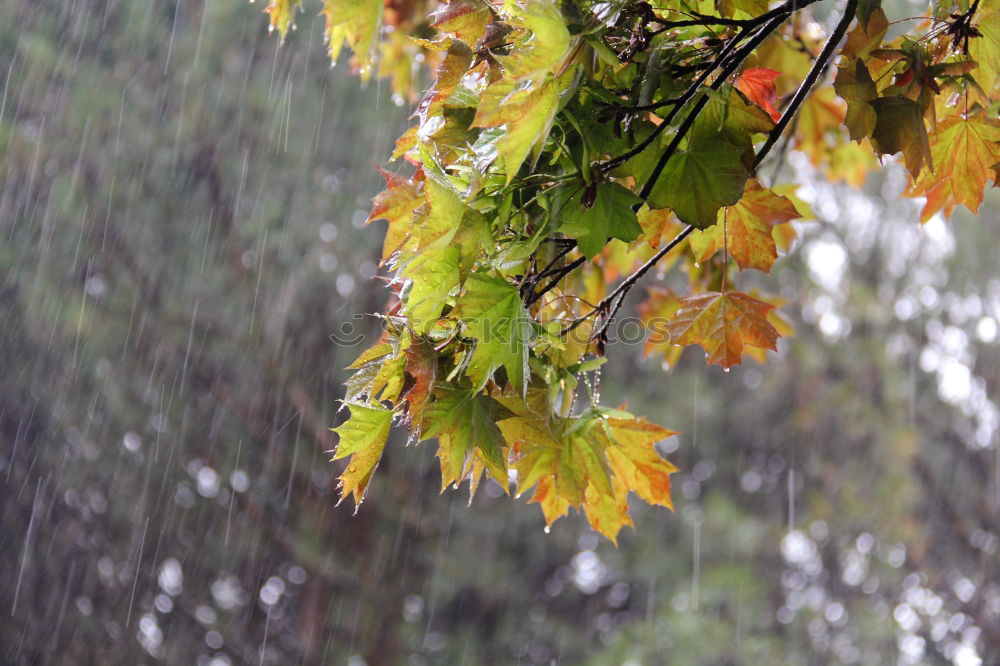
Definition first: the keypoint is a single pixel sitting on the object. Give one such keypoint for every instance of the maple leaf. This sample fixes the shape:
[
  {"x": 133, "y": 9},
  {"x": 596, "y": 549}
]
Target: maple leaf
[
  {"x": 525, "y": 113},
  {"x": 448, "y": 75},
  {"x": 437, "y": 220},
  {"x": 358, "y": 23},
  {"x": 432, "y": 275},
  {"x": 732, "y": 118},
  {"x": 748, "y": 229},
  {"x": 985, "y": 50},
  {"x": 464, "y": 19},
  {"x": 607, "y": 512},
  {"x": 395, "y": 205},
  {"x": 964, "y": 149},
  {"x": 723, "y": 324},
  {"x": 757, "y": 83},
  {"x": 658, "y": 226},
  {"x": 541, "y": 462},
  {"x": 867, "y": 35},
  {"x": 855, "y": 86},
  {"x": 590, "y": 462},
  {"x": 281, "y": 14},
  {"x": 782, "y": 325},
  {"x": 699, "y": 181},
  {"x": 634, "y": 460},
  {"x": 900, "y": 128},
  {"x": 495, "y": 316},
  {"x": 464, "y": 421},
  {"x": 610, "y": 216},
  {"x": 362, "y": 436},
  {"x": 421, "y": 367},
  {"x": 378, "y": 372},
  {"x": 543, "y": 50}
]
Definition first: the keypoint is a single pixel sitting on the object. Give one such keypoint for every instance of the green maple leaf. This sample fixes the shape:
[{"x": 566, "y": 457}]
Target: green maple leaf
[
  {"x": 496, "y": 318},
  {"x": 526, "y": 113},
  {"x": 611, "y": 216},
  {"x": 699, "y": 181},
  {"x": 433, "y": 275},
  {"x": 591, "y": 462},
  {"x": 985, "y": 50},
  {"x": 544, "y": 50},
  {"x": 900, "y": 128},
  {"x": 855, "y": 86},
  {"x": 465, "y": 421},
  {"x": 362, "y": 436}
]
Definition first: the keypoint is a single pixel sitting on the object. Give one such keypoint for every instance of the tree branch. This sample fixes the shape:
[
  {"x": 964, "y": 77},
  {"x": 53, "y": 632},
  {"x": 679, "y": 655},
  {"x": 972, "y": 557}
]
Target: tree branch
[
  {"x": 559, "y": 273},
  {"x": 807, "y": 83},
  {"x": 730, "y": 67},
  {"x": 609, "y": 302}
]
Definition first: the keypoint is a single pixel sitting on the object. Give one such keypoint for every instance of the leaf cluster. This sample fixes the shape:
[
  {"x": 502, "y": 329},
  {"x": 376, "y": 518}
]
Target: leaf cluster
[{"x": 565, "y": 150}]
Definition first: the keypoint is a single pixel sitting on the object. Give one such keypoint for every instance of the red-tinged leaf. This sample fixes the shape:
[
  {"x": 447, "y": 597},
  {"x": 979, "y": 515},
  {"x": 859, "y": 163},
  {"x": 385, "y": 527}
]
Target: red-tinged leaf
[
  {"x": 590, "y": 462},
  {"x": 396, "y": 205},
  {"x": 465, "y": 19},
  {"x": 607, "y": 512},
  {"x": 749, "y": 227},
  {"x": 553, "y": 505},
  {"x": 757, "y": 83},
  {"x": 421, "y": 366},
  {"x": 723, "y": 324},
  {"x": 449, "y": 74},
  {"x": 281, "y": 14}
]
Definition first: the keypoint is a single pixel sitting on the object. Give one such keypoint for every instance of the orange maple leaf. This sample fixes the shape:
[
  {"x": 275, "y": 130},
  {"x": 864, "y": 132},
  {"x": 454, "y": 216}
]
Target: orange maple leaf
[
  {"x": 723, "y": 324},
  {"x": 757, "y": 83}
]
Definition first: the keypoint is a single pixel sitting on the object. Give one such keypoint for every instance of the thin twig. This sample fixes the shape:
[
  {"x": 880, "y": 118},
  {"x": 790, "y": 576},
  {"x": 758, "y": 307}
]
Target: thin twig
[
  {"x": 622, "y": 289},
  {"x": 559, "y": 275}
]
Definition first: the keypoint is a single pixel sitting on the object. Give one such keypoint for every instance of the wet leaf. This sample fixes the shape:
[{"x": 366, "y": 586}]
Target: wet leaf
[
  {"x": 748, "y": 229},
  {"x": 363, "y": 437},
  {"x": 723, "y": 324},
  {"x": 699, "y": 181}
]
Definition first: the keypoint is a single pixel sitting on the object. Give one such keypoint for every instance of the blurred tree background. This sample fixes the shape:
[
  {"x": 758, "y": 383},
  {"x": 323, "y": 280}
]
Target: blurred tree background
[{"x": 181, "y": 211}]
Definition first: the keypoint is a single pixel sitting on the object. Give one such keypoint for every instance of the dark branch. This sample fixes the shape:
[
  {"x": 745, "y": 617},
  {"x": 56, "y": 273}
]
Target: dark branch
[
  {"x": 807, "y": 83},
  {"x": 559, "y": 274},
  {"x": 612, "y": 302},
  {"x": 730, "y": 67}
]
